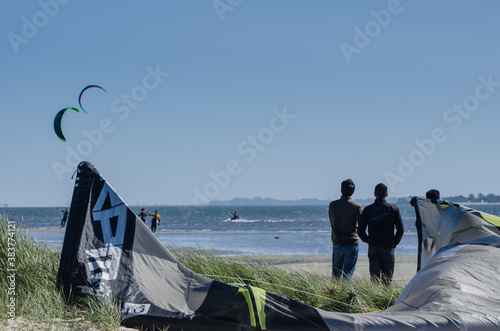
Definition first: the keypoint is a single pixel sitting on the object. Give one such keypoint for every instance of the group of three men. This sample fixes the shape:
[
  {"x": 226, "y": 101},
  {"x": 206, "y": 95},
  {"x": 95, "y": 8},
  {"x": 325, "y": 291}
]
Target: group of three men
[{"x": 349, "y": 223}]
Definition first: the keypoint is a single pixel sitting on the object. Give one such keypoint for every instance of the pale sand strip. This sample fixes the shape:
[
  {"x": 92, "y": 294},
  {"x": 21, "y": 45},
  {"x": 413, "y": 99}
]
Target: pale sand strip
[{"x": 321, "y": 265}]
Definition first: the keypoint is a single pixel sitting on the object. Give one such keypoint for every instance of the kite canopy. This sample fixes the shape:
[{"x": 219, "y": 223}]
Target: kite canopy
[
  {"x": 108, "y": 252},
  {"x": 85, "y": 89},
  {"x": 57, "y": 122}
]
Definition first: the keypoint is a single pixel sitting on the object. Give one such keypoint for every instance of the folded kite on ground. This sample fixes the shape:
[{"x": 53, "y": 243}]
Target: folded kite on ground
[{"x": 108, "y": 252}]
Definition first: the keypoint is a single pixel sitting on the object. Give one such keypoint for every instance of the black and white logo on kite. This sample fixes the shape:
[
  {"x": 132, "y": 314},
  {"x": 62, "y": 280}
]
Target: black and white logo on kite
[
  {"x": 132, "y": 309},
  {"x": 103, "y": 263}
]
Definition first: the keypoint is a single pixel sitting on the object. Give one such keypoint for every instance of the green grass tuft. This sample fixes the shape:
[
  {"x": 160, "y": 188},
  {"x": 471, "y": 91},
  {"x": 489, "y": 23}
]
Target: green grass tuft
[
  {"x": 357, "y": 296},
  {"x": 37, "y": 300}
]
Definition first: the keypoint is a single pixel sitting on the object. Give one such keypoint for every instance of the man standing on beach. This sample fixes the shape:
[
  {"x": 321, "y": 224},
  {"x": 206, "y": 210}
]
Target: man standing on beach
[
  {"x": 344, "y": 215},
  {"x": 143, "y": 214},
  {"x": 65, "y": 217},
  {"x": 155, "y": 221},
  {"x": 381, "y": 218}
]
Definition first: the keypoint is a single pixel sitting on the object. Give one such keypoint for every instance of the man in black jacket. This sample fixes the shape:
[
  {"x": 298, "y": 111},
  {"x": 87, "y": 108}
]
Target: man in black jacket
[
  {"x": 344, "y": 215},
  {"x": 381, "y": 218}
]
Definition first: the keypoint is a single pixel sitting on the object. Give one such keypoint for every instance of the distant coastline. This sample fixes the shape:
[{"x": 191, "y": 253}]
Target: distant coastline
[
  {"x": 259, "y": 201},
  {"x": 265, "y": 201}
]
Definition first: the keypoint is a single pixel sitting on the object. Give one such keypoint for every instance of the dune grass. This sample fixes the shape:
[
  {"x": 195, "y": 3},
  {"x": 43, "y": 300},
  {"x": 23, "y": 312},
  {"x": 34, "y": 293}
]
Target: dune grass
[
  {"x": 29, "y": 278},
  {"x": 39, "y": 305},
  {"x": 357, "y": 296}
]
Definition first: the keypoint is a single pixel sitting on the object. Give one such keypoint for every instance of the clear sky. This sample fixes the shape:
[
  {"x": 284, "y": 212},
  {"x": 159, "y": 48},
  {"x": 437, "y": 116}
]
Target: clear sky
[{"x": 211, "y": 100}]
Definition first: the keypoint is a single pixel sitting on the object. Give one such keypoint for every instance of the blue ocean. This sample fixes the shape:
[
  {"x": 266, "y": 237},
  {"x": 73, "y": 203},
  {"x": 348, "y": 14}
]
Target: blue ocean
[{"x": 261, "y": 230}]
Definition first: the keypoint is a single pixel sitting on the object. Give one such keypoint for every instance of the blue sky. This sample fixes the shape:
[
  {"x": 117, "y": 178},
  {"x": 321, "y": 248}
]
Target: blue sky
[{"x": 211, "y": 100}]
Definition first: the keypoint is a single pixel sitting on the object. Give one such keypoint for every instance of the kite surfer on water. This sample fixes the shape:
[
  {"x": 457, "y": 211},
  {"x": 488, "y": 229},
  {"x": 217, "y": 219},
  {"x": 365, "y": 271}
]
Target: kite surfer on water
[{"x": 234, "y": 216}]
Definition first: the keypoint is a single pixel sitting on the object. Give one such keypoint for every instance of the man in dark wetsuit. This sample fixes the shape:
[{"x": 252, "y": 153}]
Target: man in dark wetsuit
[
  {"x": 381, "y": 218},
  {"x": 344, "y": 215},
  {"x": 155, "y": 221},
  {"x": 143, "y": 214},
  {"x": 65, "y": 217},
  {"x": 234, "y": 216}
]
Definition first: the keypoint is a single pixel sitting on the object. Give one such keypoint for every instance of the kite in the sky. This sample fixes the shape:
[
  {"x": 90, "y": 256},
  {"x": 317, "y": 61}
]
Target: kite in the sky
[
  {"x": 57, "y": 122},
  {"x": 86, "y": 88}
]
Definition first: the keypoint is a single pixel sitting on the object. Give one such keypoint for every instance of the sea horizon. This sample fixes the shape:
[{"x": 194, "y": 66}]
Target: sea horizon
[{"x": 265, "y": 230}]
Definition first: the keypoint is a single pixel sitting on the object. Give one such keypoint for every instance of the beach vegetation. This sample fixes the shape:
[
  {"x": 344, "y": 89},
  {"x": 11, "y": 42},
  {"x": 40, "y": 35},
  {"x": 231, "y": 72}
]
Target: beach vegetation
[
  {"x": 38, "y": 304},
  {"x": 30, "y": 300},
  {"x": 356, "y": 296}
]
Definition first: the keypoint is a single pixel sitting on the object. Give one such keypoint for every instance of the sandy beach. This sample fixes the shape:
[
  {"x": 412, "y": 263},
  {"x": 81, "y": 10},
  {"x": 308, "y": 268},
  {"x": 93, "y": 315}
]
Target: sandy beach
[{"x": 321, "y": 265}]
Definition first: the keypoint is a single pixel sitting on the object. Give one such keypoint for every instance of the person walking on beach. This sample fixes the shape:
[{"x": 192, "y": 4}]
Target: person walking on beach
[
  {"x": 143, "y": 214},
  {"x": 344, "y": 215},
  {"x": 155, "y": 221},
  {"x": 65, "y": 217},
  {"x": 381, "y": 218}
]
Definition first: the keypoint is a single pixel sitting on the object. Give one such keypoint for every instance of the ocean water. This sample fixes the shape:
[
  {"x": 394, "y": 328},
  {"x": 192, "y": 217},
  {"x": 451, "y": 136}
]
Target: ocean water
[{"x": 280, "y": 230}]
